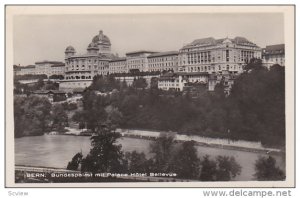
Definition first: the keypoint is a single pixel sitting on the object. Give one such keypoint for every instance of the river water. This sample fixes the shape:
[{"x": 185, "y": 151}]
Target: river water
[{"x": 57, "y": 150}]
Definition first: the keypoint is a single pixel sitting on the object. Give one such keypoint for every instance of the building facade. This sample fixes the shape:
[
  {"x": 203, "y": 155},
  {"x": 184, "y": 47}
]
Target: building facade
[
  {"x": 164, "y": 61},
  {"x": 217, "y": 55},
  {"x": 81, "y": 69},
  {"x": 117, "y": 65},
  {"x": 58, "y": 69},
  {"x": 273, "y": 54},
  {"x": 25, "y": 70},
  {"x": 48, "y": 68},
  {"x": 138, "y": 60},
  {"x": 45, "y": 67}
]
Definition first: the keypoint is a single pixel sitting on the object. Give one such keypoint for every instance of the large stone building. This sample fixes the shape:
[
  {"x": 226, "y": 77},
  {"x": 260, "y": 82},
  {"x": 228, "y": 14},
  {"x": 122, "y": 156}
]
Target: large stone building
[
  {"x": 48, "y": 68},
  {"x": 164, "y": 61},
  {"x": 117, "y": 65},
  {"x": 211, "y": 61},
  {"x": 217, "y": 55},
  {"x": 273, "y": 54},
  {"x": 138, "y": 60},
  {"x": 80, "y": 69}
]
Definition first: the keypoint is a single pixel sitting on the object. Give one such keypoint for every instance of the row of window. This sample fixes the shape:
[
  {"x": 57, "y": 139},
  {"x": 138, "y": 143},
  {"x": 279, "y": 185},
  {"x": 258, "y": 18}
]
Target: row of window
[
  {"x": 83, "y": 61},
  {"x": 78, "y": 77},
  {"x": 213, "y": 68},
  {"x": 172, "y": 58}
]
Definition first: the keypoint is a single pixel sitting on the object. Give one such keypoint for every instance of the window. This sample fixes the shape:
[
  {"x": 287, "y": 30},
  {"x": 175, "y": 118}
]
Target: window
[{"x": 227, "y": 55}]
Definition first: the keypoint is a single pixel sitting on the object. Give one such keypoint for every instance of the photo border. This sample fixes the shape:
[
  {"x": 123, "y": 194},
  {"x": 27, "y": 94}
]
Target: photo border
[{"x": 290, "y": 59}]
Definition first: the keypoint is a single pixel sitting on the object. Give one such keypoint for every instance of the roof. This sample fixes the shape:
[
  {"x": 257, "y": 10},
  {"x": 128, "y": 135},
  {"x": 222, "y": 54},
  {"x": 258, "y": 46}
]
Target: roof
[
  {"x": 274, "y": 49},
  {"x": 212, "y": 41},
  {"x": 118, "y": 59},
  {"x": 70, "y": 49},
  {"x": 192, "y": 73},
  {"x": 58, "y": 65},
  {"x": 78, "y": 90},
  {"x": 168, "y": 53},
  {"x": 101, "y": 38},
  {"x": 48, "y": 91},
  {"x": 27, "y": 67},
  {"x": 49, "y": 62},
  {"x": 168, "y": 75},
  {"x": 140, "y": 52}
]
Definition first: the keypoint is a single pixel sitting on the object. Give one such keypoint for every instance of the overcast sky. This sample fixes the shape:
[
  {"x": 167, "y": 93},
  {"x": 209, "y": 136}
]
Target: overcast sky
[{"x": 45, "y": 37}]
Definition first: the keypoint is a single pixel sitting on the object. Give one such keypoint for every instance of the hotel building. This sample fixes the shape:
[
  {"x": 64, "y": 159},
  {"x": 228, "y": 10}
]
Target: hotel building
[{"x": 273, "y": 54}]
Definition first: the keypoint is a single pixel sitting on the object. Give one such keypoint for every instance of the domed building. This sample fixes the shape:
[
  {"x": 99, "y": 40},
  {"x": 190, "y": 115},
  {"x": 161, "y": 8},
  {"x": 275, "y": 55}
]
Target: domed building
[
  {"x": 103, "y": 42},
  {"x": 81, "y": 69}
]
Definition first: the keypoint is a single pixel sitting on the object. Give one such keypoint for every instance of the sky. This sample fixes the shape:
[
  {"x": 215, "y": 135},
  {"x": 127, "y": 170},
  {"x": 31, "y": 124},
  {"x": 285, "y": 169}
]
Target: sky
[{"x": 45, "y": 37}]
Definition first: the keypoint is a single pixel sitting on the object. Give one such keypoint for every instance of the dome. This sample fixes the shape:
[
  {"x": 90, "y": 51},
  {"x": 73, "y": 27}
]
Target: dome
[
  {"x": 93, "y": 46},
  {"x": 226, "y": 41},
  {"x": 101, "y": 38},
  {"x": 70, "y": 49}
]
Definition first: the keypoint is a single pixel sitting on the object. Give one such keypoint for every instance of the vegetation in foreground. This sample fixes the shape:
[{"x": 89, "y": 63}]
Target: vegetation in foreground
[{"x": 254, "y": 111}]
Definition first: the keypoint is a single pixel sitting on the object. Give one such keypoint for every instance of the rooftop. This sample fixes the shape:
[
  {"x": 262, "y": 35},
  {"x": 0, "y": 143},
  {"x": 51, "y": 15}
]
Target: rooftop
[
  {"x": 140, "y": 52},
  {"x": 118, "y": 59},
  {"x": 49, "y": 62},
  {"x": 58, "y": 65},
  {"x": 274, "y": 49},
  {"x": 210, "y": 41},
  {"x": 163, "y": 54}
]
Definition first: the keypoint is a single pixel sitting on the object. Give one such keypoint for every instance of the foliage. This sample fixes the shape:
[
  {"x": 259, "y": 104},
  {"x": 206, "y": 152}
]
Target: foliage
[
  {"x": 105, "y": 83},
  {"x": 138, "y": 163},
  {"x": 74, "y": 163},
  {"x": 208, "y": 170},
  {"x": 59, "y": 118},
  {"x": 186, "y": 163},
  {"x": 105, "y": 155},
  {"x": 257, "y": 106},
  {"x": 139, "y": 83},
  {"x": 31, "y": 115},
  {"x": 224, "y": 168},
  {"x": 49, "y": 85},
  {"x": 162, "y": 151},
  {"x": 254, "y": 111},
  {"x": 69, "y": 106},
  {"x": 266, "y": 170},
  {"x": 227, "y": 168}
]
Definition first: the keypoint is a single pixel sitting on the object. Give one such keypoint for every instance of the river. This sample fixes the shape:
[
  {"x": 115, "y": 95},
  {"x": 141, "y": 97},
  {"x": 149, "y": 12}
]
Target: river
[{"x": 57, "y": 150}]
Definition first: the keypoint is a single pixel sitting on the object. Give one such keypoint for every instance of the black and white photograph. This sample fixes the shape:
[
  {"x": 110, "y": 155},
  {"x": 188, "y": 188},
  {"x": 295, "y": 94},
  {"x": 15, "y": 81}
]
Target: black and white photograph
[{"x": 153, "y": 96}]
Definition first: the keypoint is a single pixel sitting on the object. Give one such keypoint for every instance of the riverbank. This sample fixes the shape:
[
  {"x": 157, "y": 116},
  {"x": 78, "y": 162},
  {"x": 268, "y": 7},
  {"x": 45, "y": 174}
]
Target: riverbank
[
  {"x": 239, "y": 145},
  {"x": 219, "y": 146}
]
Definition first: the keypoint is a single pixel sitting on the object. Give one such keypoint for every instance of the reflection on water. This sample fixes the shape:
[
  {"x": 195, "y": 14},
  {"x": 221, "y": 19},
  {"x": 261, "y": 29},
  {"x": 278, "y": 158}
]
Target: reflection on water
[{"x": 57, "y": 150}]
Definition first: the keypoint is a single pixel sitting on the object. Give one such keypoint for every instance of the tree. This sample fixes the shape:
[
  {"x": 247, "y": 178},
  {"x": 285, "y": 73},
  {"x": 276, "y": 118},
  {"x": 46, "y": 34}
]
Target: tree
[
  {"x": 32, "y": 115},
  {"x": 186, "y": 162},
  {"x": 138, "y": 163},
  {"x": 40, "y": 84},
  {"x": 114, "y": 116},
  {"x": 266, "y": 170},
  {"x": 154, "y": 83},
  {"x": 208, "y": 170},
  {"x": 139, "y": 83},
  {"x": 162, "y": 150},
  {"x": 59, "y": 117},
  {"x": 105, "y": 155},
  {"x": 227, "y": 168},
  {"x": 75, "y": 162},
  {"x": 258, "y": 97}
]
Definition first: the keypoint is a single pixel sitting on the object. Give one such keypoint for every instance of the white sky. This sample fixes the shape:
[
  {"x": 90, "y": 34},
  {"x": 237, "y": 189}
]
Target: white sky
[{"x": 45, "y": 37}]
